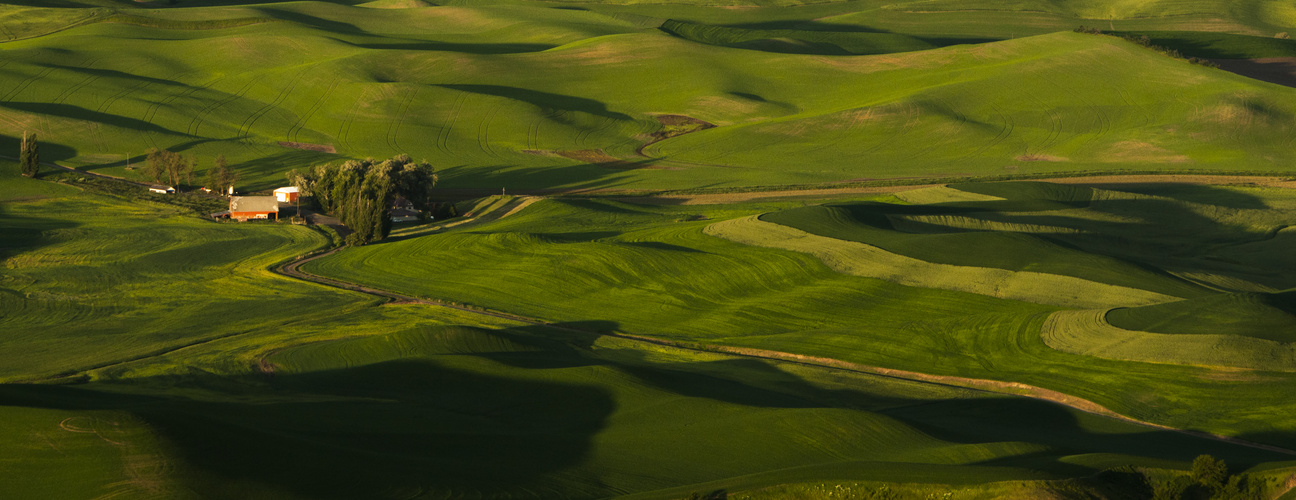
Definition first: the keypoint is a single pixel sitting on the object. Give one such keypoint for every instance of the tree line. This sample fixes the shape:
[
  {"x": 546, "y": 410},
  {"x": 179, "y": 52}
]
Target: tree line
[
  {"x": 360, "y": 192},
  {"x": 161, "y": 164},
  {"x": 164, "y": 165}
]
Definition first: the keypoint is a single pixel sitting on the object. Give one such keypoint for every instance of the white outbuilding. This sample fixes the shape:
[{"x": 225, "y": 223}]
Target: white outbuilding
[{"x": 287, "y": 194}]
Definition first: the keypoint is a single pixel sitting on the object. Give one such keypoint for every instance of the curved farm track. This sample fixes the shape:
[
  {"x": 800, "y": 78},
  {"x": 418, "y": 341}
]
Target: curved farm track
[{"x": 293, "y": 269}]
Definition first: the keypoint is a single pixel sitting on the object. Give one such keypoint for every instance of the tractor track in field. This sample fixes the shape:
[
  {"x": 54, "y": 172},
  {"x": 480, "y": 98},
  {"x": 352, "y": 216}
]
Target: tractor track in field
[
  {"x": 483, "y": 131},
  {"x": 245, "y": 128},
  {"x": 583, "y": 136},
  {"x": 197, "y": 120},
  {"x": 443, "y": 135},
  {"x": 152, "y": 110},
  {"x": 293, "y": 270},
  {"x": 151, "y": 113},
  {"x": 296, "y": 128},
  {"x": 393, "y": 128},
  {"x": 9, "y": 96},
  {"x": 533, "y": 130},
  {"x": 107, "y": 103},
  {"x": 76, "y": 87},
  {"x": 344, "y": 130}
]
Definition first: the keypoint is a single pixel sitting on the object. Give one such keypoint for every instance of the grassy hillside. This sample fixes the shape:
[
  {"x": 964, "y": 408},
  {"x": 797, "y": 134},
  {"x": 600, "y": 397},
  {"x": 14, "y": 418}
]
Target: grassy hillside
[
  {"x": 150, "y": 353},
  {"x": 92, "y": 280},
  {"x": 656, "y": 271},
  {"x": 1262, "y": 315},
  {"x": 451, "y": 410},
  {"x": 519, "y": 96}
]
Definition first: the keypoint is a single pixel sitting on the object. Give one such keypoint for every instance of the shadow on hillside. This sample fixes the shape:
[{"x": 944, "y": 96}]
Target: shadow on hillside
[
  {"x": 319, "y": 23},
  {"x": 949, "y": 41},
  {"x": 112, "y": 73},
  {"x": 139, "y": 158},
  {"x": 79, "y": 113},
  {"x": 267, "y": 171},
  {"x": 441, "y": 422},
  {"x": 1161, "y": 235},
  {"x": 537, "y": 180},
  {"x": 989, "y": 419},
  {"x": 806, "y": 25},
  {"x": 544, "y": 100},
  {"x": 220, "y": 3},
  {"x": 72, "y": 4},
  {"x": 468, "y": 48},
  {"x": 360, "y": 432},
  {"x": 49, "y": 150},
  {"x": 19, "y": 235},
  {"x": 1192, "y": 193}
]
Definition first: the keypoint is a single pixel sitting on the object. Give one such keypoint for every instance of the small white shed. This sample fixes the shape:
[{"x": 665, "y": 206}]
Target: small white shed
[{"x": 287, "y": 194}]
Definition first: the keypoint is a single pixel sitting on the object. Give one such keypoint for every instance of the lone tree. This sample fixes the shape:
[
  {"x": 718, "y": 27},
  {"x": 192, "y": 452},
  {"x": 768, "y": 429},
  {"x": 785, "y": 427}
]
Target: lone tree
[
  {"x": 1210, "y": 472},
  {"x": 360, "y": 193},
  {"x": 29, "y": 155},
  {"x": 219, "y": 176}
]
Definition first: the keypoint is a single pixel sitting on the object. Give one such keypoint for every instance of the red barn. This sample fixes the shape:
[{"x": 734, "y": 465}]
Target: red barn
[{"x": 253, "y": 207}]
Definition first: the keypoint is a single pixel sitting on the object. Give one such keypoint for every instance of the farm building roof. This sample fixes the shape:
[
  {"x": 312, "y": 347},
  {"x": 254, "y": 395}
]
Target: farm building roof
[
  {"x": 289, "y": 189},
  {"x": 254, "y": 204}
]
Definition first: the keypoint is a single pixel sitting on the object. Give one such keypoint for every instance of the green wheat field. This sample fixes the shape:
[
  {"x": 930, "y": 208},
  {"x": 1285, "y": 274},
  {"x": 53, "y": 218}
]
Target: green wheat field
[{"x": 748, "y": 249}]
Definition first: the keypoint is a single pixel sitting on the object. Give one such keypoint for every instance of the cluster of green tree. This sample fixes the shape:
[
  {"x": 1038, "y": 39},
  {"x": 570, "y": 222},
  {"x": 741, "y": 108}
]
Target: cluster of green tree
[
  {"x": 360, "y": 192},
  {"x": 163, "y": 164},
  {"x": 220, "y": 178},
  {"x": 29, "y": 155},
  {"x": 1209, "y": 480}
]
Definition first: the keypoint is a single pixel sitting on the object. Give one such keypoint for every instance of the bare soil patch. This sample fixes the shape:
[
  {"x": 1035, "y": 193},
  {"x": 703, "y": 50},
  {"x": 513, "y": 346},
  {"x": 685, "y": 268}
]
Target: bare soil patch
[
  {"x": 1279, "y": 70},
  {"x": 1040, "y": 157},
  {"x": 1136, "y": 151},
  {"x": 600, "y": 158},
  {"x": 673, "y": 126},
  {"x": 323, "y": 148},
  {"x": 677, "y": 125},
  {"x": 594, "y": 156}
]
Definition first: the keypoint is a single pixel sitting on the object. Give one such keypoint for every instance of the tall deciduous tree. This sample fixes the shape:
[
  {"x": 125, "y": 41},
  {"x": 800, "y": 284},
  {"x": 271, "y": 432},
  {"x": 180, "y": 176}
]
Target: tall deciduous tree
[
  {"x": 164, "y": 164},
  {"x": 155, "y": 164},
  {"x": 1209, "y": 471},
  {"x": 29, "y": 155},
  {"x": 219, "y": 176}
]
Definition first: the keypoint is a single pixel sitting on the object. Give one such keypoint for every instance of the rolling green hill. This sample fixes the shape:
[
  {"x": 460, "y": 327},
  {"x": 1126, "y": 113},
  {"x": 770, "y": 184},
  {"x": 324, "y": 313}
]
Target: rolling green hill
[
  {"x": 150, "y": 353},
  {"x": 1262, "y": 315},
  {"x": 967, "y": 340},
  {"x": 523, "y": 97},
  {"x": 661, "y": 271}
]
